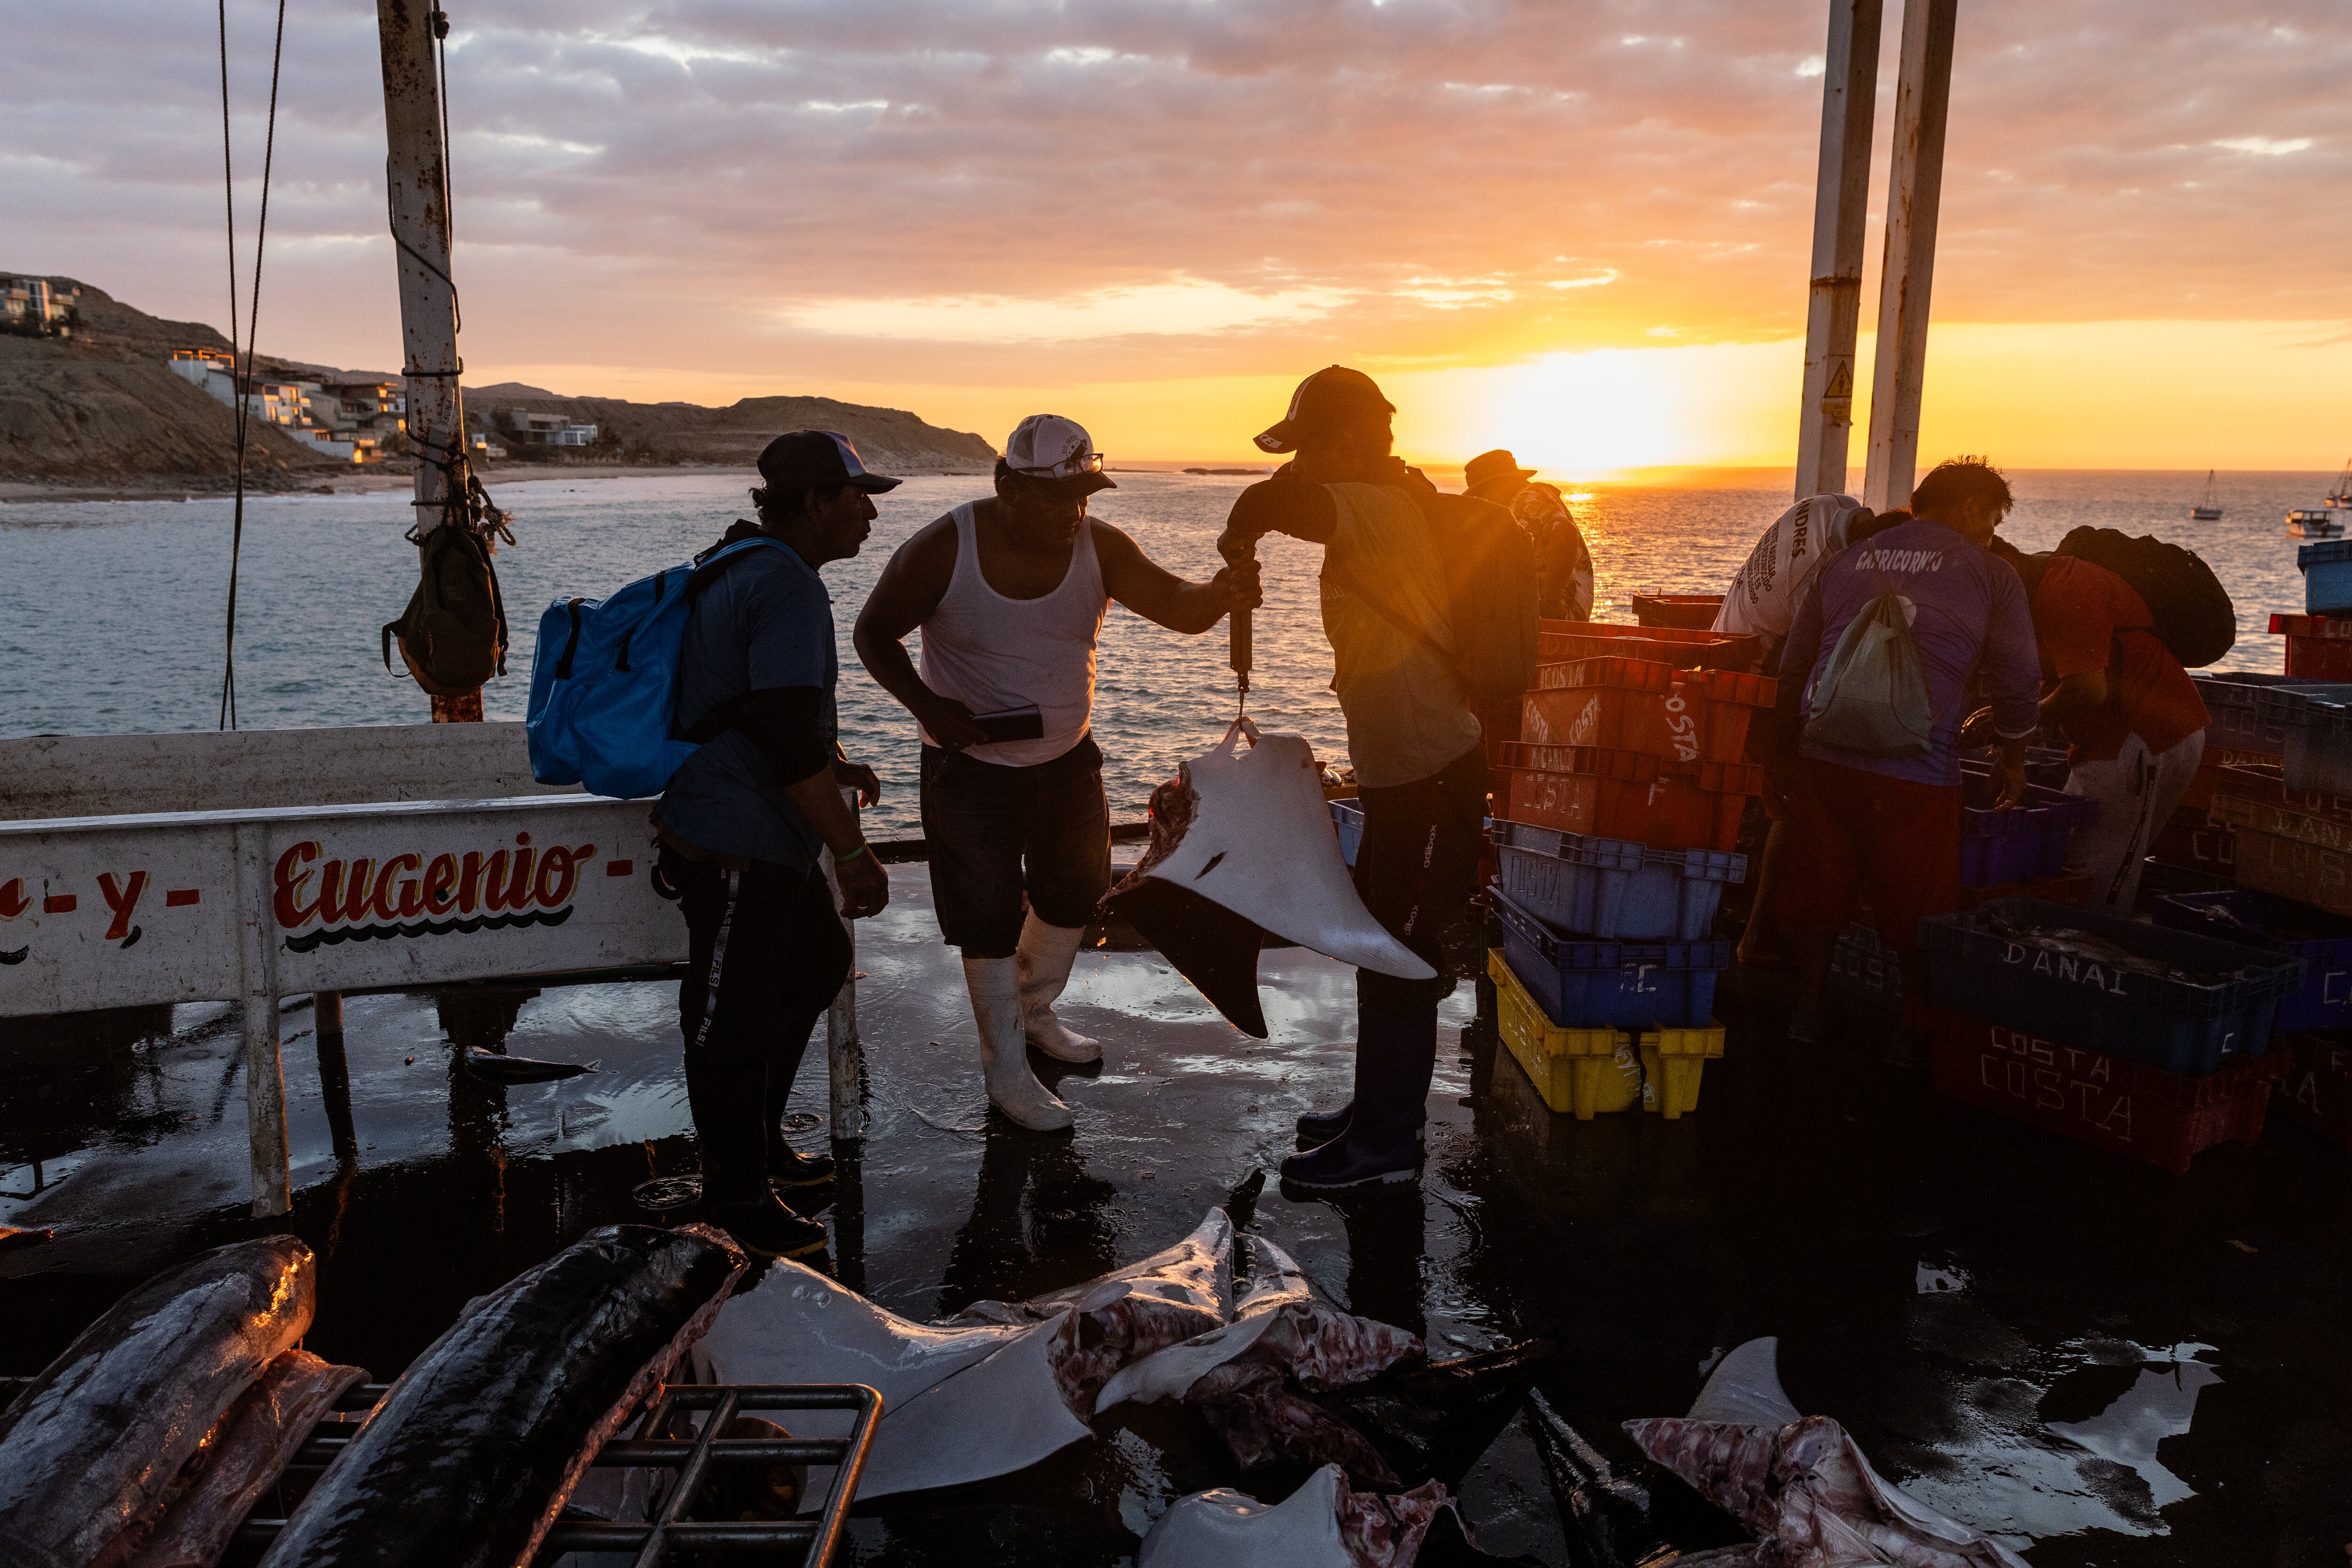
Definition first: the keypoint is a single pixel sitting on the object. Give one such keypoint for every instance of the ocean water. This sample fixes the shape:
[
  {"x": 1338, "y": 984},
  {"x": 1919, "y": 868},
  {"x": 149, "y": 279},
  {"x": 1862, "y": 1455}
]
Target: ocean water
[{"x": 112, "y": 613}]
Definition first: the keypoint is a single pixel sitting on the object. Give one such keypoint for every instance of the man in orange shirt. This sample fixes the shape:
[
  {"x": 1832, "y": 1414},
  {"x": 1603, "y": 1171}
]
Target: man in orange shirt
[{"x": 2132, "y": 714}]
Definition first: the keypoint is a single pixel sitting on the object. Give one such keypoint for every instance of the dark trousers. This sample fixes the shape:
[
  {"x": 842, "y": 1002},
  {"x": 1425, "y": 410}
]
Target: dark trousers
[
  {"x": 995, "y": 834},
  {"x": 1416, "y": 867},
  {"x": 767, "y": 955}
]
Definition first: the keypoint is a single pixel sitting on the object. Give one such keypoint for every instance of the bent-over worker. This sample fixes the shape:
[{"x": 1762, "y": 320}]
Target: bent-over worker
[
  {"x": 1421, "y": 768},
  {"x": 2132, "y": 716},
  {"x": 742, "y": 822},
  {"x": 1566, "y": 592},
  {"x": 1009, "y": 594}
]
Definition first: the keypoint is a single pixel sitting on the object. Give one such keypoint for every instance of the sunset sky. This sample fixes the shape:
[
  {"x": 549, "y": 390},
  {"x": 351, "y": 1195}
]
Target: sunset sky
[{"x": 1580, "y": 229}]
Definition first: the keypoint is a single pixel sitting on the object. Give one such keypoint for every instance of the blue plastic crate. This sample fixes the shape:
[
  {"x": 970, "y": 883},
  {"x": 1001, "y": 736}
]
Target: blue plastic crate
[
  {"x": 2025, "y": 844},
  {"x": 2234, "y": 710},
  {"x": 1348, "y": 819},
  {"x": 1614, "y": 888},
  {"x": 2317, "y": 723},
  {"x": 2254, "y": 918},
  {"x": 2327, "y": 569},
  {"x": 1977, "y": 964},
  {"x": 1610, "y": 984}
]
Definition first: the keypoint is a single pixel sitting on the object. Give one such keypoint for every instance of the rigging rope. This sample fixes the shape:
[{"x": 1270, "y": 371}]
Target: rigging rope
[{"x": 241, "y": 381}]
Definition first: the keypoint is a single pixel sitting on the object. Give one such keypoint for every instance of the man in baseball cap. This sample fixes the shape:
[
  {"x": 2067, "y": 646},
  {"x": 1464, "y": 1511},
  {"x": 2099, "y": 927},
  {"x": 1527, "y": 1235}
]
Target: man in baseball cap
[
  {"x": 745, "y": 821},
  {"x": 1009, "y": 593},
  {"x": 1425, "y": 597}
]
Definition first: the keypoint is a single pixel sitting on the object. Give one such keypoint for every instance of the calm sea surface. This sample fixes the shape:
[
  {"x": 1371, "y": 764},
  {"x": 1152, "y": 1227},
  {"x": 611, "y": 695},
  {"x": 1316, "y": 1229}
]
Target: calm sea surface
[{"x": 112, "y": 613}]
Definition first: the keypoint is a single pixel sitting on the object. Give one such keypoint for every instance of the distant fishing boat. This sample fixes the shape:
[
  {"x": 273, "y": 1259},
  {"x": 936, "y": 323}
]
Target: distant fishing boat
[
  {"x": 2327, "y": 519},
  {"x": 2209, "y": 507}
]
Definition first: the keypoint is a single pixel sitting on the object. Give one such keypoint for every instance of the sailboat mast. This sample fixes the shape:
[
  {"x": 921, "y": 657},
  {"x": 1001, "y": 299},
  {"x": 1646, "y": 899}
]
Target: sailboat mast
[{"x": 417, "y": 173}]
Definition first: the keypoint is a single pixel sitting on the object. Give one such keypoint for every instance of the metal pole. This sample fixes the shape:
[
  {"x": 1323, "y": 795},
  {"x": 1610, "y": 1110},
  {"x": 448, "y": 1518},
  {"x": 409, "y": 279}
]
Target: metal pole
[
  {"x": 1923, "y": 95},
  {"x": 265, "y": 1073},
  {"x": 416, "y": 178},
  {"x": 1841, "y": 204},
  {"x": 844, "y": 1052}
]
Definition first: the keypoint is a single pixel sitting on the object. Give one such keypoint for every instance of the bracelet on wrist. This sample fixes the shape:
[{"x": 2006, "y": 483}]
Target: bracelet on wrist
[{"x": 840, "y": 860}]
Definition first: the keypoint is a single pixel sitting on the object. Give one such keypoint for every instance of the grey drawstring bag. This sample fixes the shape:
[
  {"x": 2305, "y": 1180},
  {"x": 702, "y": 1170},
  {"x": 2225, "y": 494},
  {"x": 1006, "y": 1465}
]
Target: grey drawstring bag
[{"x": 1871, "y": 698}]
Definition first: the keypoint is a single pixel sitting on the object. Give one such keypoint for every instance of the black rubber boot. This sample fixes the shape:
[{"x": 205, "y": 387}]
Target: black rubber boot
[
  {"x": 767, "y": 1227},
  {"x": 788, "y": 1167},
  {"x": 1355, "y": 1161},
  {"x": 1395, "y": 1056},
  {"x": 1318, "y": 1128}
]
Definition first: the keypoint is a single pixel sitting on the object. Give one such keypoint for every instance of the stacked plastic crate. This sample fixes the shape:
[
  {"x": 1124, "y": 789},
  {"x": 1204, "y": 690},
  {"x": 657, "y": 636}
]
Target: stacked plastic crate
[{"x": 1617, "y": 813}]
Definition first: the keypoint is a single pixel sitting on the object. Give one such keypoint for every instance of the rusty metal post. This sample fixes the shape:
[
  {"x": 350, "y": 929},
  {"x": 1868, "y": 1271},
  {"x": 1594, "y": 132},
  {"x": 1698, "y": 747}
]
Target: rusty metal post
[
  {"x": 417, "y": 176},
  {"x": 1841, "y": 204},
  {"x": 265, "y": 1071},
  {"x": 1923, "y": 95}
]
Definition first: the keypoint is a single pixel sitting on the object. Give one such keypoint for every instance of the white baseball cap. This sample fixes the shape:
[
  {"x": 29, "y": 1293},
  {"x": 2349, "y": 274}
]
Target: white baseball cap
[{"x": 1048, "y": 447}]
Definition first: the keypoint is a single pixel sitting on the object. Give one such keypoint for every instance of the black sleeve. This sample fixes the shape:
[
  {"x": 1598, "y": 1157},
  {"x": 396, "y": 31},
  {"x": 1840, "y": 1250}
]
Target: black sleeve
[
  {"x": 1283, "y": 505},
  {"x": 784, "y": 722}
]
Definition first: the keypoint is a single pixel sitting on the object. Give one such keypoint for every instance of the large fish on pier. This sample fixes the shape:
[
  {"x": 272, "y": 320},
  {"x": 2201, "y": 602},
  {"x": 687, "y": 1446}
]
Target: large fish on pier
[
  {"x": 1243, "y": 847},
  {"x": 468, "y": 1458},
  {"x": 89, "y": 1453}
]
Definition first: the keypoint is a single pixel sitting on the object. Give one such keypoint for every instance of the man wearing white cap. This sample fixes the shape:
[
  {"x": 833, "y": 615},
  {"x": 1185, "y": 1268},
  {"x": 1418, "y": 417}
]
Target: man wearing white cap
[{"x": 1009, "y": 593}]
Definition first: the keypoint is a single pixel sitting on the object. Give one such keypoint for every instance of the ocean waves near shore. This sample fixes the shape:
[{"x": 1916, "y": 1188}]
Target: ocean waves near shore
[{"x": 111, "y": 614}]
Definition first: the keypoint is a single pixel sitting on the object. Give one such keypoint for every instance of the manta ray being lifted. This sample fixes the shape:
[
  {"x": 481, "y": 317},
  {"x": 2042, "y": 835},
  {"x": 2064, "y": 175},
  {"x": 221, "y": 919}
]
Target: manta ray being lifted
[{"x": 1243, "y": 847}]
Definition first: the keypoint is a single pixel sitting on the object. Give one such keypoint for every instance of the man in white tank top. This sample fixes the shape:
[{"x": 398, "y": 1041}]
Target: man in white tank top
[{"x": 1009, "y": 593}]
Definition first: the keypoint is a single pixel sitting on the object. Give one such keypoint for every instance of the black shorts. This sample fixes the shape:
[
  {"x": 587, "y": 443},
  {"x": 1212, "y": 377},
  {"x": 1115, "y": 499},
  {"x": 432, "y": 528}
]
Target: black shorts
[{"x": 995, "y": 834}]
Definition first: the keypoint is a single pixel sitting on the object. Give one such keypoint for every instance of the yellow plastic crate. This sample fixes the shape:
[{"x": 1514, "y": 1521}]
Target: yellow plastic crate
[
  {"x": 1585, "y": 1072},
  {"x": 1671, "y": 1060}
]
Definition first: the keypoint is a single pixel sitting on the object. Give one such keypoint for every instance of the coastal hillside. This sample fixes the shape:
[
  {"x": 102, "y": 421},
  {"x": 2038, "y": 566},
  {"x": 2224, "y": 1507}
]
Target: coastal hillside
[
  {"x": 97, "y": 403},
  {"x": 891, "y": 440},
  {"x": 101, "y": 405}
]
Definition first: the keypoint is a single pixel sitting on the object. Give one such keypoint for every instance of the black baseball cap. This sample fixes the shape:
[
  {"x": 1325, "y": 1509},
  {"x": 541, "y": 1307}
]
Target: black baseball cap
[
  {"x": 1334, "y": 397},
  {"x": 818, "y": 460}
]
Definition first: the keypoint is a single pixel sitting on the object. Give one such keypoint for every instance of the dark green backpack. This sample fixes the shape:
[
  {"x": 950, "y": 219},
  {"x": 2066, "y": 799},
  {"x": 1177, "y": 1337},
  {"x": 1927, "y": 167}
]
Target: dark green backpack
[{"x": 453, "y": 636}]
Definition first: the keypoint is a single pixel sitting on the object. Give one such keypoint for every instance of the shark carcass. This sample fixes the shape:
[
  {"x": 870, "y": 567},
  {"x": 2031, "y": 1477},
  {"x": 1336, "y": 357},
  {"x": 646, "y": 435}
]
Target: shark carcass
[{"x": 1243, "y": 847}]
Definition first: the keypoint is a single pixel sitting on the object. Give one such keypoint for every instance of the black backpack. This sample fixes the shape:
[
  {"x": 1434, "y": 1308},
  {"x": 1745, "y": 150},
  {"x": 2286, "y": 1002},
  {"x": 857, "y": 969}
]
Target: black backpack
[
  {"x": 2194, "y": 616},
  {"x": 453, "y": 636}
]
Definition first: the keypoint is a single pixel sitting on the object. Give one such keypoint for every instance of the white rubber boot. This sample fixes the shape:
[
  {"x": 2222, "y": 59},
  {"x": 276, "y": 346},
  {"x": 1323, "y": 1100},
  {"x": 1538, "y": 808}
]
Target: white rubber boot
[
  {"x": 1042, "y": 964},
  {"x": 1013, "y": 1088}
]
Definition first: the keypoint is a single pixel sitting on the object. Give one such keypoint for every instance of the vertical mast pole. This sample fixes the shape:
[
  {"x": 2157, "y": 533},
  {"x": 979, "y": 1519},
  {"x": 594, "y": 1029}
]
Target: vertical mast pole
[
  {"x": 417, "y": 179},
  {"x": 1841, "y": 204},
  {"x": 1923, "y": 95}
]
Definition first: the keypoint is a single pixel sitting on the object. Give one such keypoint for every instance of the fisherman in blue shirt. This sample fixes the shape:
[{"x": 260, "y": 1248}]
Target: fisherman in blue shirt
[{"x": 743, "y": 821}]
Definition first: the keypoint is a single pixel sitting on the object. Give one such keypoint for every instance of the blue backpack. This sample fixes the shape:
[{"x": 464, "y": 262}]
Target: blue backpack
[{"x": 603, "y": 682}]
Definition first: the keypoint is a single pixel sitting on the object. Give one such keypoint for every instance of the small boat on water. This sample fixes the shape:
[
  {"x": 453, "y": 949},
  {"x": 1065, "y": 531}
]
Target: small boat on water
[
  {"x": 2327, "y": 519},
  {"x": 2208, "y": 506}
]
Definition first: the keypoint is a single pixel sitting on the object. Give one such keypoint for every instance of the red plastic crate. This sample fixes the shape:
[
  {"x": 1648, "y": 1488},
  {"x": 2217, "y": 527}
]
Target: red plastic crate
[
  {"x": 2193, "y": 841},
  {"x": 1559, "y": 641},
  {"x": 2318, "y": 1093},
  {"x": 2142, "y": 1113},
  {"x": 2319, "y": 647},
  {"x": 1644, "y": 705},
  {"x": 1687, "y": 612},
  {"x": 1615, "y": 793}
]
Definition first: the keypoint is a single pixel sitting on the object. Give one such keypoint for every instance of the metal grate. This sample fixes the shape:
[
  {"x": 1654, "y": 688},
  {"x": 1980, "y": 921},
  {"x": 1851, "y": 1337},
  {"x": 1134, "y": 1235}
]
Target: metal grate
[{"x": 693, "y": 1458}]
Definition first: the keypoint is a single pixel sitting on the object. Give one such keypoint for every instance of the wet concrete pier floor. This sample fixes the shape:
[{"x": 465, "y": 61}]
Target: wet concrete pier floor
[{"x": 2104, "y": 1364}]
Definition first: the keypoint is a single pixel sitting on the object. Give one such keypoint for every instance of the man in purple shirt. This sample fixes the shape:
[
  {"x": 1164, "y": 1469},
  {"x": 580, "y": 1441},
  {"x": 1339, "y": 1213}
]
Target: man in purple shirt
[{"x": 1887, "y": 830}]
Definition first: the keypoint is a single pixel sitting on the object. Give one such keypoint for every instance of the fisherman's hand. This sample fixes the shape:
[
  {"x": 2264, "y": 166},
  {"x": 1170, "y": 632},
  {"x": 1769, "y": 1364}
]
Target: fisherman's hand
[
  {"x": 859, "y": 777},
  {"x": 865, "y": 886},
  {"x": 2008, "y": 781},
  {"x": 951, "y": 724},
  {"x": 1238, "y": 546},
  {"x": 1237, "y": 587}
]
